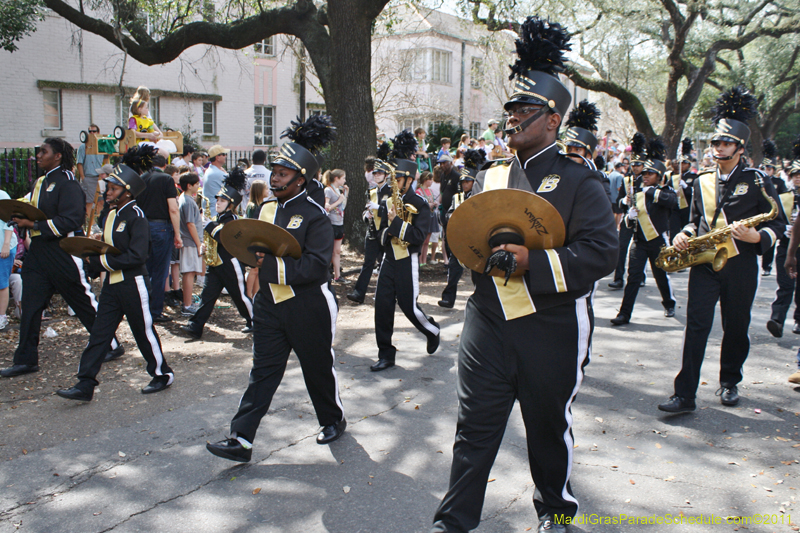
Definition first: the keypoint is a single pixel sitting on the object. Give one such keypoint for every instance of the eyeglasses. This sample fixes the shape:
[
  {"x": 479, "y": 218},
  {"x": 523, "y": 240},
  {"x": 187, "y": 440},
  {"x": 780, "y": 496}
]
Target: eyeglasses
[
  {"x": 94, "y": 131},
  {"x": 522, "y": 111}
]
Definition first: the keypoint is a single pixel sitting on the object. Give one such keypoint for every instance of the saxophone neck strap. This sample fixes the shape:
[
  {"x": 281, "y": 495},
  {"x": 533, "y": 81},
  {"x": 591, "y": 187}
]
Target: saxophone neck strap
[{"x": 723, "y": 199}]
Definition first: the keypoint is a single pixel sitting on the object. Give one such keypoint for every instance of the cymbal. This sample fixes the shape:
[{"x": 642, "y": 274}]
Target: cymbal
[
  {"x": 15, "y": 207},
  {"x": 502, "y": 216},
  {"x": 85, "y": 247},
  {"x": 244, "y": 237}
]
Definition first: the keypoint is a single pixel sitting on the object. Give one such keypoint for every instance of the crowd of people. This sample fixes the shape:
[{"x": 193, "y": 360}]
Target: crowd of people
[{"x": 165, "y": 218}]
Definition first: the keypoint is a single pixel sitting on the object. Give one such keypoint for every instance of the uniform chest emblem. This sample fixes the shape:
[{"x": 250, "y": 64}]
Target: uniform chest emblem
[
  {"x": 549, "y": 183},
  {"x": 741, "y": 188},
  {"x": 121, "y": 226},
  {"x": 51, "y": 187},
  {"x": 295, "y": 222}
]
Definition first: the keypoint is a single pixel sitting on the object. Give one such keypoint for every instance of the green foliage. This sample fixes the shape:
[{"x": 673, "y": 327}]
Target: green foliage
[
  {"x": 443, "y": 129},
  {"x": 17, "y": 19},
  {"x": 786, "y": 135},
  {"x": 17, "y": 171}
]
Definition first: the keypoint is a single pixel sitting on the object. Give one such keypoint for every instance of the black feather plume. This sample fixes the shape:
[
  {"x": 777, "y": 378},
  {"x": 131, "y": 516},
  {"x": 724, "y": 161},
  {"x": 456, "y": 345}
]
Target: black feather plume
[
  {"x": 474, "y": 159},
  {"x": 686, "y": 147},
  {"x": 770, "y": 148},
  {"x": 657, "y": 149},
  {"x": 736, "y": 103},
  {"x": 140, "y": 157},
  {"x": 638, "y": 143},
  {"x": 540, "y": 46},
  {"x": 600, "y": 162},
  {"x": 584, "y": 115},
  {"x": 383, "y": 151},
  {"x": 313, "y": 134},
  {"x": 405, "y": 144},
  {"x": 796, "y": 148},
  {"x": 236, "y": 179}
]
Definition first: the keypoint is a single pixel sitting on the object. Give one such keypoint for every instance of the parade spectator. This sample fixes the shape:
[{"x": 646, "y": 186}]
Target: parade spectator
[
  {"x": 336, "y": 192},
  {"x": 192, "y": 251},
  {"x": 464, "y": 143},
  {"x": 424, "y": 190},
  {"x": 422, "y": 147},
  {"x": 88, "y": 166},
  {"x": 258, "y": 170},
  {"x": 259, "y": 192},
  {"x": 489, "y": 134},
  {"x": 616, "y": 178},
  {"x": 212, "y": 181},
  {"x": 197, "y": 164},
  {"x": 445, "y": 149},
  {"x": 186, "y": 158},
  {"x": 8, "y": 254},
  {"x": 369, "y": 166}
]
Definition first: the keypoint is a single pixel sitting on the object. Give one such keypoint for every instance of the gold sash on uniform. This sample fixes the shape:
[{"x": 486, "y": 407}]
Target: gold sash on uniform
[
  {"x": 114, "y": 276},
  {"x": 280, "y": 291},
  {"x": 37, "y": 189},
  {"x": 708, "y": 188},
  {"x": 787, "y": 201},
  {"x": 676, "y": 184},
  {"x": 643, "y": 217}
]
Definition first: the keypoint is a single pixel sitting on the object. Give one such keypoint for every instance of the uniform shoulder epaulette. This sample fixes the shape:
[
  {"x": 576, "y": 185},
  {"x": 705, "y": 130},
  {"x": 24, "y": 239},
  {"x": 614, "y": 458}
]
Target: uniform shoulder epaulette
[
  {"x": 706, "y": 171},
  {"x": 268, "y": 200},
  {"x": 496, "y": 162},
  {"x": 757, "y": 171}
]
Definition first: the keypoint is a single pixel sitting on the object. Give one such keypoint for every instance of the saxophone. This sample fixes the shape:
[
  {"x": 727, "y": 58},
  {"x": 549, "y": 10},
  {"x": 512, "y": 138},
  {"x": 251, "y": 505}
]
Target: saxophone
[
  {"x": 708, "y": 248},
  {"x": 404, "y": 211},
  {"x": 211, "y": 257}
]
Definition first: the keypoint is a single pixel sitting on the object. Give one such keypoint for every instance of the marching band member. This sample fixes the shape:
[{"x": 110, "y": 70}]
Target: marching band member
[
  {"x": 294, "y": 308},
  {"x": 681, "y": 182},
  {"x": 398, "y": 280},
  {"x": 373, "y": 249},
  {"x": 473, "y": 162},
  {"x": 792, "y": 254},
  {"x": 651, "y": 211},
  {"x": 578, "y": 137},
  {"x": 126, "y": 290},
  {"x": 226, "y": 272},
  {"x": 725, "y": 195},
  {"x": 629, "y": 182},
  {"x": 47, "y": 268},
  {"x": 768, "y": 164},
  {"x": 502, "y": 357}
]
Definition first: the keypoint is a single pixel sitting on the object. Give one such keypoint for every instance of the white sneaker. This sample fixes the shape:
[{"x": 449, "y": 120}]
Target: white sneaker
[
  {"x": 189, "y": 311},
  {"x": 3, "y": 322}
]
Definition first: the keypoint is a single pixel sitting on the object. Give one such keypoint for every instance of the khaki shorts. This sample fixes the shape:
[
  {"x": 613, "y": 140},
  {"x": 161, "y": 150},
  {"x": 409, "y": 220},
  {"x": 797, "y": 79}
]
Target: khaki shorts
[
  {"x": 89, "y": 185},
  {"x": 190, "y": 261}
]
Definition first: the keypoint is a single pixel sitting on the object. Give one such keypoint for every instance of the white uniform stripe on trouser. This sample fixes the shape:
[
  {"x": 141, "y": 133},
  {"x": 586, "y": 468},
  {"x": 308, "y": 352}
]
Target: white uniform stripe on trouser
[
  {"x": 665, "y": 236},
  {"x": 584, "y": 332},
  {"x": 240, "y": 283},
  {"x": 334, "y": 311},
  {"x": 88, "y": 290},
  {"x": 144, "y": 298},
  {"x": 415, "y": 284}
]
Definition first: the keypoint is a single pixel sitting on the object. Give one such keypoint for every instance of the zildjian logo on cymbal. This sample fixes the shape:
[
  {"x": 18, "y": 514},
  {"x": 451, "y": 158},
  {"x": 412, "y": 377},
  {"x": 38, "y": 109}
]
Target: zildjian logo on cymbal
[{"x": 536, "y": 223}]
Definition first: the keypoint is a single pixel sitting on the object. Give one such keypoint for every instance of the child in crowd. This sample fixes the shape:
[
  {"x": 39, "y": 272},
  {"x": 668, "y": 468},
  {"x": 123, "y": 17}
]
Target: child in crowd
[
  {"x": 335, "y": 201},
  {"x": 191, "y": 262},
  {"x": 141, "y": 123},
  {"x": 259, "y": 193},
  {"x": 8, "y": 253},
  {"x": 173, "y": 296},
  {"x": 445, "y": 149},
  {"x": 424, "y": 190}
]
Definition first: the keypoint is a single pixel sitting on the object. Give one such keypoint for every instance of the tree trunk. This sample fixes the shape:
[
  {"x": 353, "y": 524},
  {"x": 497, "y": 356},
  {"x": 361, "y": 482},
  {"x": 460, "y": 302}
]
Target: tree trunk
[{"x": 348, "y": 97}]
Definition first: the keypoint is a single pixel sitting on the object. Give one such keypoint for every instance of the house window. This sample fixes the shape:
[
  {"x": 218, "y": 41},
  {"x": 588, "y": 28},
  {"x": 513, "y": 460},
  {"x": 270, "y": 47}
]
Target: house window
[
  {"x": 209, "y": 118},
  {"x": 264, "y": 126},
  {"x": 412, "y": 63},
  {"x": 476, "y": 74},
  {"x": 155, "y": 109},
  {"x": 310, "y": 111},
  {"x": 475, "y": 130},
  {"x": 52, "y": 109},
  {"x": 411, "y": 124},
  {"x": 265, "y": 47},
  {"x": 440, "y": 66}
]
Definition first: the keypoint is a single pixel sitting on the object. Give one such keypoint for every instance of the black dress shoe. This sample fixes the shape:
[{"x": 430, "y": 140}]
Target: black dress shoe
[
  {"x": 356, "y": 297},
  {"x": 548, "y": 526},
  {"x": 116, "y": 353},
  {"x": 728, "y": 395},
  {"x": 230, "y": 449},
  {"x": 248, "y": 328},
  {"x": 446, "y": 304},
  {"x": 189, "y": 330},
  {"x": 76, "y": 394},
  {"x": 18, "y": 370},
  {"x": 616, "y": 285},
  {"x": 332, "y": 432},
  {"x": 669, "y": 312},
  {"x": 382, "y": 364},
  {"x": 433, "y": 342},
  {"x": 161, "y": 319},
  {"x": 643, "y": 283},
  {"x": 796, "y": 328},
  {"x": 676, "y": 404},
  {"x": 157, "y": 385},
  {"x": 775, "y": 328},
  {"x": 766, "y": 272},
  {"x": 620, "y": 320}
]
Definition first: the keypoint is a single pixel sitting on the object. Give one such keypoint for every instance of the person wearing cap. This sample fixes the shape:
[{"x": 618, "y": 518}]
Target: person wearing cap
[
  {"x": 226, "y": 272},
  {"x": 47, "y": 268},
  {"x": 724, "y": 196},
  {"x": 216, "y": 173},
  {"x": 88, "y": 166},
  {"x": 651, "y": 209},
  {"x": 294, "y": 308},
  {"x": 681, "y": 182},
  {"x": 373, "y": 249},
  {"x": 489, "y": 134},
  {"x": 793, "y": 171},
  {"x": 125, "y": 290},
  {"x": 502, "y": 357},
  {"x": 768, "y": 164},
  {"x": 473, "y": 162}
]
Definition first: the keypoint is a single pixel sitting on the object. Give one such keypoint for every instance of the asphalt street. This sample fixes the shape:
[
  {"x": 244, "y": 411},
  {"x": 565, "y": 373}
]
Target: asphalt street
[{"x": 389, "y": 471}]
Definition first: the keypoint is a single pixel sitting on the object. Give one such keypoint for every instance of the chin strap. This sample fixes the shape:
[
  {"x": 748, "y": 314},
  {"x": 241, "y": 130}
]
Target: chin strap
[
  {"x": 527, "y": 122},
  {"x": 279, "y": 189}
]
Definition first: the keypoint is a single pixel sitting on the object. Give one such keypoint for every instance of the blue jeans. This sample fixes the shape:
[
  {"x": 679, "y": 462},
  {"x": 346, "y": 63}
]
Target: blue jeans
[{"x": 161, "y": 239}]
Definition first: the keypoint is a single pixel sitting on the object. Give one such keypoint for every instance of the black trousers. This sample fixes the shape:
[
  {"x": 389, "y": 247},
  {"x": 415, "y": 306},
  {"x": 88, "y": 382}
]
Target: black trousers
[
  {"x": 229, "y": 275},
  {"x": 48, "y": 269},
  {"x": 454, "y": 273},
  {"x": 306, "y": 324},
  {"x": 767, "y": 258},
  {"x": 398, "y": 282},
  {"x": 625, "y": 236},
  {"x": 735, "y": 287},
  {"x": 502, "y": 361},
  {"x": 787, "y": 288},
  {"x": 129, "y": 298},
  {"x": 641, "y": 253},
  {"x": 372, "y": 252}
]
